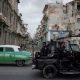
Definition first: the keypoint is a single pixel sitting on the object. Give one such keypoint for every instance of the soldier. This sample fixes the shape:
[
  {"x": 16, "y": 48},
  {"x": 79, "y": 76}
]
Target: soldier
[
  {"x": 51, "y": 47},
  {"x": 44, "y": 49},
  {"x": 61, "y": 46}
]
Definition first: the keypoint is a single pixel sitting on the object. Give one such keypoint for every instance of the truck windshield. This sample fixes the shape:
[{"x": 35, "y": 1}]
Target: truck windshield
[{"x": 75, "y": 47}]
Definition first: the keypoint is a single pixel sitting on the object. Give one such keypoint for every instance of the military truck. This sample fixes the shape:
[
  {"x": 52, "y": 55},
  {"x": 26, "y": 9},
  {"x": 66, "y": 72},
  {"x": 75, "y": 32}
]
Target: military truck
[{"x": 65, "y": 61}]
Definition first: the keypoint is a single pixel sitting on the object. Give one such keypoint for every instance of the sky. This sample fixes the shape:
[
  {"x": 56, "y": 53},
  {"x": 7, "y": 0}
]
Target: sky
[{"x": 32, "y": 12}]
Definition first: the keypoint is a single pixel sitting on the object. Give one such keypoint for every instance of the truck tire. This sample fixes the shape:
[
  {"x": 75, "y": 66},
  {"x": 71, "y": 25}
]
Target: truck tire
[
  {"x": 20, "y": 63},
  {"x": 49, "y": 71}
]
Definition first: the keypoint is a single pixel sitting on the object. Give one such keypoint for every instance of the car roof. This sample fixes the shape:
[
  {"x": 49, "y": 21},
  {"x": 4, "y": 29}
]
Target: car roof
[{"x": 10, "y": 46}]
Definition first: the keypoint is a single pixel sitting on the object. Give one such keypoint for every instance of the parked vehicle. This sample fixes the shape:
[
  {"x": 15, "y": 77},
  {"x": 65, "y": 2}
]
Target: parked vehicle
[
  {"x": 61, "y": 60},
  {"x": 14, "y": 54}
]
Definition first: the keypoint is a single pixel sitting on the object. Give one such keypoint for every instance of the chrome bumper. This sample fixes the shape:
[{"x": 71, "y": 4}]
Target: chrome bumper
[{"x": 33, "y": 66}]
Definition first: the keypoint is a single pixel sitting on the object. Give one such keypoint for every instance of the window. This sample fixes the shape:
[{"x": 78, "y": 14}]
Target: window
[
  {"x": 75, "y": 47},
  {"x": 9, "y": 49},
  {"x": 78, "y": 6},
  {"x": 1, "y": 49},
  {"x": 72, "y": 14},
  {"x": 78, "y": 20},
  {"x": 65, "y": 9}
]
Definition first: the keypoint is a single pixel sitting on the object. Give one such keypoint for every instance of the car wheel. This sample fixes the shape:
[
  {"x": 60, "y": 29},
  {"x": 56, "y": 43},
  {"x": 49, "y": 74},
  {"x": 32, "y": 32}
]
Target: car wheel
[
  {"x": 20, "y": 63},
  {"x": 49, "y": 71}
]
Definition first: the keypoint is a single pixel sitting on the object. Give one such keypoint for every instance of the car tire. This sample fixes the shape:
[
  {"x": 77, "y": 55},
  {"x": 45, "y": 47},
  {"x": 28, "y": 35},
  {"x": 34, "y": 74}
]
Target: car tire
[
  {"x": 20, "y": 63},
  {"x": 49, "y": 71}
]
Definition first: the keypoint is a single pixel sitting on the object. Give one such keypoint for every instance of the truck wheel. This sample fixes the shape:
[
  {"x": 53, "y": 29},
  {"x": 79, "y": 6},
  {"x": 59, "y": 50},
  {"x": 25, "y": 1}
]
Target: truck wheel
[
  {"x": 49, "y": 71},
  {"x": 20, "y": 63}
]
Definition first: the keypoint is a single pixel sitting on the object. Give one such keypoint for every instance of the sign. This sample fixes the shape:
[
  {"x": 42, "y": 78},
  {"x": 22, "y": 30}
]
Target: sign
[{"x": 63, "y": 34}]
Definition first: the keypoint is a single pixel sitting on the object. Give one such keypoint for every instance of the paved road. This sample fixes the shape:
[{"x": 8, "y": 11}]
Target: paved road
[{"x": 11, "y": 72}]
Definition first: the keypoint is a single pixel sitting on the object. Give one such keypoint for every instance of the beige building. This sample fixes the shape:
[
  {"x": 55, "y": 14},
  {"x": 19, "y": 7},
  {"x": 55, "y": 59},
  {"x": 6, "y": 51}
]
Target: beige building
[
  {"x": 72, "y": 12},
  {"x": 60, "y": 21},
  {"x": 53, "y": 21}
]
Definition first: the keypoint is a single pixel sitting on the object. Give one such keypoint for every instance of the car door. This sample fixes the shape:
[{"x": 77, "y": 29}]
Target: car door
[
  {"x": 1, "y": 55},
  {"x": 9, "y": 54}
]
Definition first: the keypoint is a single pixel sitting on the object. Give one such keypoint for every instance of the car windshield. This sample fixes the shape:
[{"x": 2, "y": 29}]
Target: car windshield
[{"x": 75, "y": 47}]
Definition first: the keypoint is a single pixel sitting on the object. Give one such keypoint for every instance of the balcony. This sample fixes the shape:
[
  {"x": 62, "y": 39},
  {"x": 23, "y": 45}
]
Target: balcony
[
  {"x": 4, "y": 19},
  {"x": 78, "y": 7},
  {"x": 19, "y": 31}
]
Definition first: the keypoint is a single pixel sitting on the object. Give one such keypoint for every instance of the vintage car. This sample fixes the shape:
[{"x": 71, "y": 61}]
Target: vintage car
[{"x": 14, "y": 54}]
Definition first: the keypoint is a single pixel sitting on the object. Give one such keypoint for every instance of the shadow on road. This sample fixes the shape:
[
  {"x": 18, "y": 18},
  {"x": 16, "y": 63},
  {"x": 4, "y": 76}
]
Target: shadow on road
[
  {"x": 37, "y": 75},
  {"x": 26, "y": 72},
  {"x": 68, "y": 76},
  {"x": 13, "y": 65}
]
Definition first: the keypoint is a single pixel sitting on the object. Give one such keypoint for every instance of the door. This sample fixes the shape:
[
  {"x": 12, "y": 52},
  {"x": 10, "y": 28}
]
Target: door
[
  {"x": 1, "y": 55},
  {"x": 9, "y": 55}
]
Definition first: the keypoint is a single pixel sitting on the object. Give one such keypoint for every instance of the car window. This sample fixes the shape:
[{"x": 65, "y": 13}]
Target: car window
[
  {"x": 9, "y": 49},
  {"x": 75, "y": 47},
  {"x": 1, "y": 49}
]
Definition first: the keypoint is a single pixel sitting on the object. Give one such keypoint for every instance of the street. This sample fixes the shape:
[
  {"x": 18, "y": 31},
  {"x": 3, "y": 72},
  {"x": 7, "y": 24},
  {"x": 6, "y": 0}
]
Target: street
[
  {"x": 46, "y": 32},
  {"x": 11, "y": 72}
]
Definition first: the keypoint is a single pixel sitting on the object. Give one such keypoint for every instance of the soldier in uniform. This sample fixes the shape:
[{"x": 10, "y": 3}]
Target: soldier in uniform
[{"x": 44, "y": 50}]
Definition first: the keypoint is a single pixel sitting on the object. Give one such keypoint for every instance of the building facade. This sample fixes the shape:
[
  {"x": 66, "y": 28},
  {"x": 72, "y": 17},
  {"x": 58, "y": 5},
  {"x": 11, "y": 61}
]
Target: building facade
[
  {"x": 73, "y": 13},
  {"x": 51, "y": 23},
  {"x": 12, "y": 29},
  {"x": 73, "y": 16},
  {"x": 60, "y": 20}
]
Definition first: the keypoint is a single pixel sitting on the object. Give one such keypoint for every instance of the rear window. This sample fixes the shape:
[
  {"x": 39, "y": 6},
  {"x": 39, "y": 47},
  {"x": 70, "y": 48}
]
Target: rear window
[
  {"x": 9, "y": 49},
  {"x": 1, "y": 49}
]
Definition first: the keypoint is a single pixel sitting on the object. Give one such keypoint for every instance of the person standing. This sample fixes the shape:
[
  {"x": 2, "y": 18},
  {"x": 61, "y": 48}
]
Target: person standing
[{"x": 44, "y": 50}]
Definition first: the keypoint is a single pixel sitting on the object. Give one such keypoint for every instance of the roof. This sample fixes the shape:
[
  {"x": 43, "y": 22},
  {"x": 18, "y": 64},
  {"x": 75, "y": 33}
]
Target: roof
[{"x": 9, "y": 46}]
